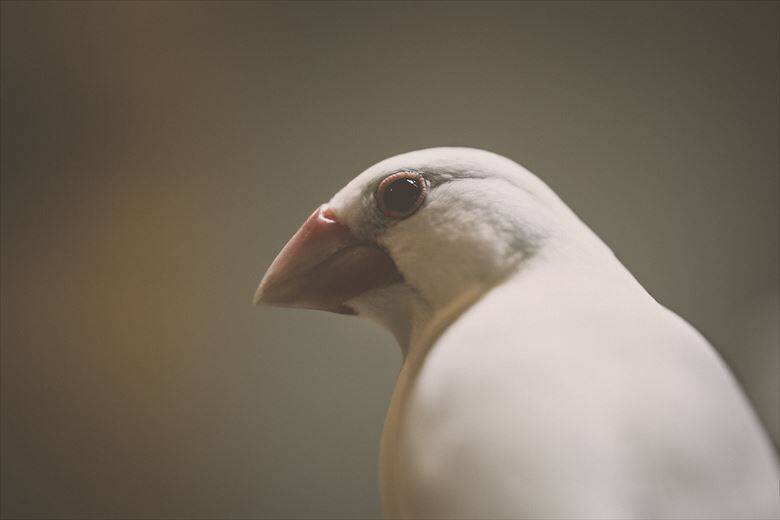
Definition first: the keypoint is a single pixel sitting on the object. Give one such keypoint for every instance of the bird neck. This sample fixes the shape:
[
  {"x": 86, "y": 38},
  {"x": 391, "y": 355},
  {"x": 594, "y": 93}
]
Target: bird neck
[
  {"x": 424, "y": 333},
  {"x": 590, "y": 259},
  {"x": 416, "y": 318}
]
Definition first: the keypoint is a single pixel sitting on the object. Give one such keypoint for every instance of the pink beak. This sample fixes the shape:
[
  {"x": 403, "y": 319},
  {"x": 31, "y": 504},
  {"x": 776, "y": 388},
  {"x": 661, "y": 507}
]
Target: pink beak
[{"x": 323, "y": 266}]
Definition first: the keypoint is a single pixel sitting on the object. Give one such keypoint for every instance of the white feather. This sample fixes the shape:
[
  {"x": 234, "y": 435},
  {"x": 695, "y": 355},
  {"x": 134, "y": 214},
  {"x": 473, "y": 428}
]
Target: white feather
[{"x": 540, "y": 380}]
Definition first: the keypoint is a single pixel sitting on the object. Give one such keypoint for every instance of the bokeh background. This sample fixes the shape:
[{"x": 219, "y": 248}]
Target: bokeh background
[{"x": 156, "y": 156}]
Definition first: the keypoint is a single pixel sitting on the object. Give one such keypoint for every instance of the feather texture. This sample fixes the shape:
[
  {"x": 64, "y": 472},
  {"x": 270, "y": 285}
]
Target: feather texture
[{"x": 540, "y": 380}]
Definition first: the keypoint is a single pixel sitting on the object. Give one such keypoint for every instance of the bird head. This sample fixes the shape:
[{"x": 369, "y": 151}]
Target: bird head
[{"x": 414, "y": 233}]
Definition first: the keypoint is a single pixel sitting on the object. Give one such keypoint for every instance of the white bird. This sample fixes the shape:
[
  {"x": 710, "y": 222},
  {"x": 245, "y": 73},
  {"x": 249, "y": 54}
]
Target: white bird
[{"x": 539, "y": 379}]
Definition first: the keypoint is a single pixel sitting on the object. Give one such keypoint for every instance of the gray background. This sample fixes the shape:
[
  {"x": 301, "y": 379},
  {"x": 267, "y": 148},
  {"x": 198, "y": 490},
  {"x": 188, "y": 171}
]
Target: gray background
[{"x": 156, "y": 156}]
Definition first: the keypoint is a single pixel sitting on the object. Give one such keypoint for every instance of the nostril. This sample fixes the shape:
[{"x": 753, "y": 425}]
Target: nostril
[{"x": 327, "y": 214}]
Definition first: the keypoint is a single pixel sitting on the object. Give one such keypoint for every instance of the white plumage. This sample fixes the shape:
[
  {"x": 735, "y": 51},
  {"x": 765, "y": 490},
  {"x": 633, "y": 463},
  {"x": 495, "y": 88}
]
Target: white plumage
[{"x": 539, "y": 380}]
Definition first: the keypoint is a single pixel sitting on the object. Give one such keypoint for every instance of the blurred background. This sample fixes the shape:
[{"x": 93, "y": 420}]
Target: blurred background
[{"x": 156, "y": 156}]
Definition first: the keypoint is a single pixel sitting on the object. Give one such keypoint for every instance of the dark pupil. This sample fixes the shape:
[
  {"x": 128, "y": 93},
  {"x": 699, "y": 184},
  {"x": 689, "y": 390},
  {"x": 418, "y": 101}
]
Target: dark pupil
[{"x": 401, "y": 195}]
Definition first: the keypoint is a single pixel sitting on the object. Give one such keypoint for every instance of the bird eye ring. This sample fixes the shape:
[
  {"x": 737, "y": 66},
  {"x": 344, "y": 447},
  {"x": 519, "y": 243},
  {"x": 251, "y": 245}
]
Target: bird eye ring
[{"x": 401, "y": 194}]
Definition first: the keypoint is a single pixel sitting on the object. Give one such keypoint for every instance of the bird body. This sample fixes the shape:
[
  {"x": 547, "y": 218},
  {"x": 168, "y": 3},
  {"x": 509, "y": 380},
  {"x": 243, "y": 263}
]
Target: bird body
[
  {"x": 564, "y": 395},
  {"x": 539, "y": 380}
]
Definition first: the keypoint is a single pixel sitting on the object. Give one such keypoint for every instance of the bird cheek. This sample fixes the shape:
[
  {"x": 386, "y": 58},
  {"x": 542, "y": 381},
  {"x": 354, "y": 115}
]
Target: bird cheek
[{"x": 323, "y": 266}]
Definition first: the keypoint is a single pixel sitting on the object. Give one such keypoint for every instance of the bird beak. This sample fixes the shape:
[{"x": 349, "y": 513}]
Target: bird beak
[{"x": 323, "y": 266}]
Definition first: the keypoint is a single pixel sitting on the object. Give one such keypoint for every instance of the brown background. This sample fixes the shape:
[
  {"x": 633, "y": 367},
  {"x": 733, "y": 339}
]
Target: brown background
[{"x": 155, "y": 156}]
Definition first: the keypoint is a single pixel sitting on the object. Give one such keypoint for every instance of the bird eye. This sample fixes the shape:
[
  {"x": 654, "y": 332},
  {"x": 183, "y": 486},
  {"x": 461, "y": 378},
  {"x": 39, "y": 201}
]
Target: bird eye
[{"x": 400, "y": 194}]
